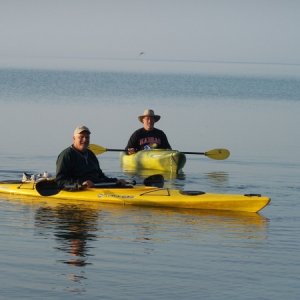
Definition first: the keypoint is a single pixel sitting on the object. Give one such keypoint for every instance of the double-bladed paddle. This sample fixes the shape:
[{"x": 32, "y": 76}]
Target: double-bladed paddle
[
  {"x": 218, "y": 154},
  {"x": 50, "y": 187}
]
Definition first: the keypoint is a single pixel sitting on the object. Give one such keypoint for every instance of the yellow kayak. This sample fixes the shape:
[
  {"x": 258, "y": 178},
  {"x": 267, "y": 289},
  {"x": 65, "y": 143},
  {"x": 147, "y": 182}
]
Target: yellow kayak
[
  {"x": 146, "y": 196},
  {"x": 155, "y": 159},
  {"x": 165, "y": 160}
]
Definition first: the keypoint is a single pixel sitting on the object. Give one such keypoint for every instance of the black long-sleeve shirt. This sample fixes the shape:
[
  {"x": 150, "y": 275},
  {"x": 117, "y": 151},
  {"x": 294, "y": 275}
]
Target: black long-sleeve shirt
[
  {"x": 75, "y": 167},
  {"x": 141, "y": 139}
]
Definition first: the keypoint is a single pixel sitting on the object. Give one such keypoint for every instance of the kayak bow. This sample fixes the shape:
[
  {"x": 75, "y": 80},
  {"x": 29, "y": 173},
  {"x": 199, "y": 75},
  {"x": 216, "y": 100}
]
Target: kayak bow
[{"x": 155, "y": 159}]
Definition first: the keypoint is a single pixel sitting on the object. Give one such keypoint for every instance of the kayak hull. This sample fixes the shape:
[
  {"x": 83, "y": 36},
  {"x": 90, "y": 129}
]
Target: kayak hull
[
  {"x": 155, "y": 159},
  {"x": 149, "y": 196}
]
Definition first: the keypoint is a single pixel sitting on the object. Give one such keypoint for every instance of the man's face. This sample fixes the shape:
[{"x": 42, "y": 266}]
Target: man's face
[
  {"x": 81, "y": 141},
  {"x": 148, "y": 123}
]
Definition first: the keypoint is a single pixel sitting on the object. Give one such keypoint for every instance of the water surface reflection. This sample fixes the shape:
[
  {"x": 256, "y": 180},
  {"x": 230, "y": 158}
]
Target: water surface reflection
[
  {"x": 74, "y": 228},
  {"x": 178, "y": 181}
]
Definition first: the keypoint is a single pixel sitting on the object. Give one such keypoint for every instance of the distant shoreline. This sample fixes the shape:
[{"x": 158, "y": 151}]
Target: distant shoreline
[{"x": 152, "y": 66}]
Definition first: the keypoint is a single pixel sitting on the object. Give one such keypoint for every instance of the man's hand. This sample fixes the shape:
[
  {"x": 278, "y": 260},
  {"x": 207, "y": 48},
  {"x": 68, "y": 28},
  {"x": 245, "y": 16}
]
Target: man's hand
[
  {"x": 122, "y": 182},
  {"x": 88, "y": 184},
  {"x": 131, "y": 150}
]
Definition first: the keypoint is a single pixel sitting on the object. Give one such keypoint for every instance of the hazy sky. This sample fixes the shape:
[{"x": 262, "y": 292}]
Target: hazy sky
[{"x": 214, "y": 30}]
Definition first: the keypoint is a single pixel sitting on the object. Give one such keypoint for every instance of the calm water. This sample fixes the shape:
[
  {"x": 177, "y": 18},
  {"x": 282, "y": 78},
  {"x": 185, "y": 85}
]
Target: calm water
[{"x": 56, "y": 250}]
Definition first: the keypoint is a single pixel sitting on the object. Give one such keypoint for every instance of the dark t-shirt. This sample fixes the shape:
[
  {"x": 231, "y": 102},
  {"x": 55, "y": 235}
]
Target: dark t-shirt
[
  {"x": 143, "y": 139},
  {"x": 73, "y": 166}
]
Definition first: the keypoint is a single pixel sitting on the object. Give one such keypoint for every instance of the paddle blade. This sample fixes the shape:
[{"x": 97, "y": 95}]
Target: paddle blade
[
  {"x": 156, "y": 180},
  {"x": 97, "y": 149},
  {"x": 218, "y": 154},
  {"x": 47, "y": 187}
]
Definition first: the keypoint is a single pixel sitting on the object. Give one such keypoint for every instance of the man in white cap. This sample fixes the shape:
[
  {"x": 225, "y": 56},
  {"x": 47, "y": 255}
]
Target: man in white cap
[
  {"x": 78, "y": 165},
  {"x": 147, "y": 137}
]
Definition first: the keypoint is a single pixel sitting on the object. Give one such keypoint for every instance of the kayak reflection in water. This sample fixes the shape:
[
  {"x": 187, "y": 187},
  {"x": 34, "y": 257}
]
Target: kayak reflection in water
[
  {"x": 78, "y": 166},
  {"x": 147, "y": 137}
]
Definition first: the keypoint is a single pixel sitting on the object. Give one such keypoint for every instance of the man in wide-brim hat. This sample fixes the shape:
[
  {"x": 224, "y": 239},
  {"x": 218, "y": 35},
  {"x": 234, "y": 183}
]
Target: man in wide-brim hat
[
  {"x": 147, "y": 137},
  {"x": 149, "y": 113}
]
